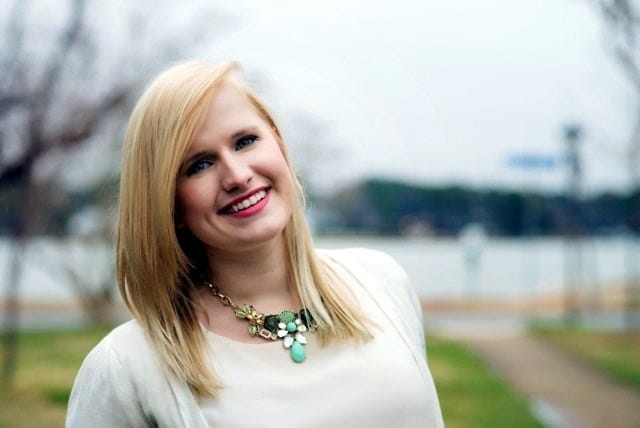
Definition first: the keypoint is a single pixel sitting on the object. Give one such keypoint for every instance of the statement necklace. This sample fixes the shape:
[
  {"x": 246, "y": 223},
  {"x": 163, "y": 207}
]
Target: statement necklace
[{"x": 287, "y": 326}]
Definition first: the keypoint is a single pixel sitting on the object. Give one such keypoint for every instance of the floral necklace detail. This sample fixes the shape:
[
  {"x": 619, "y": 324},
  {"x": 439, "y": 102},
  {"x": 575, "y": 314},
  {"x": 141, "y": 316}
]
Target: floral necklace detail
[{"x": 288, "y": 326}]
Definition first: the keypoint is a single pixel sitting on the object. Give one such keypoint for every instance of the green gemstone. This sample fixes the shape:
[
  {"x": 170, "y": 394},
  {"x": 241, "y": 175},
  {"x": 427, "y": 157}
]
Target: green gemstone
[
  {"x": 253, "y": 329},
  {"x": 291, "y": 327},
  {"x": 271, "y": 323},
  {"x": 287, "y": 316},
  {"x": 306, "y": 317},
  {"x": 297, "y": 351}
]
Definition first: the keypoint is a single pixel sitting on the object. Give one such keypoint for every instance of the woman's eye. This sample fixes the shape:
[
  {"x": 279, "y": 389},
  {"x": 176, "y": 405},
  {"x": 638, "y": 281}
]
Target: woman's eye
[
  {"x": 198, "y": 166},
  {"x": 245, "y": 141}
]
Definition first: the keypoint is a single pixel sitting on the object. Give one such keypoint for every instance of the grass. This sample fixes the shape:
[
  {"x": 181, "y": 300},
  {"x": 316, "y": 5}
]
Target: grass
[
  {"x": 615, "y": 353},
  {"x": 47, "y": 365},
  {"x": 470, "y": 394}
]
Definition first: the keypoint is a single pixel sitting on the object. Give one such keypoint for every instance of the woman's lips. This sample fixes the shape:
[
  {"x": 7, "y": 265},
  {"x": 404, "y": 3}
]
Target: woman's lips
[
  {"x": 246, "y": 202},
  {"x": 252, "y": 209}
]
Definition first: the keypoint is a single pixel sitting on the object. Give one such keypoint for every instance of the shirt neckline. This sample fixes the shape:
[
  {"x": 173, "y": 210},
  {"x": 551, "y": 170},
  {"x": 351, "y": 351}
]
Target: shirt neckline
[{"x": 219, "y": 337}]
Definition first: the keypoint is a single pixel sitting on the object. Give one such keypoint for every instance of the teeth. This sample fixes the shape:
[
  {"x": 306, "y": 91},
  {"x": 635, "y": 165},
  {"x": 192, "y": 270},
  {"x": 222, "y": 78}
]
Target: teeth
[{"x": 254, "y": 199}]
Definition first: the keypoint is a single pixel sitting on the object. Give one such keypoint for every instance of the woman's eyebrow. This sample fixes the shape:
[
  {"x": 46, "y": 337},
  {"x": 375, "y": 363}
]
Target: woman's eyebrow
[{"x": 244, "y": 131}]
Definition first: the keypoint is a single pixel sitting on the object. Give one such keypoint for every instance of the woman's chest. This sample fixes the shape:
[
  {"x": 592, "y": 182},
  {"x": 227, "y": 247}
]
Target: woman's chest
[{"x": 377, "y": 383}]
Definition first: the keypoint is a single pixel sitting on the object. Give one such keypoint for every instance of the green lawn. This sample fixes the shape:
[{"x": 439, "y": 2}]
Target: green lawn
[
  {"x": 615, "y": 353},
  {"x": 470, "y": 395},
  {"x": 48, "y": 362}
]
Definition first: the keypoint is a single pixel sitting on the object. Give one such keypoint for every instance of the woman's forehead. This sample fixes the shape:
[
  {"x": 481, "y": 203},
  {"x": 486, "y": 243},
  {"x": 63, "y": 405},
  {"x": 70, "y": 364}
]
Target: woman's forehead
[{"x": 229, "y": 111}]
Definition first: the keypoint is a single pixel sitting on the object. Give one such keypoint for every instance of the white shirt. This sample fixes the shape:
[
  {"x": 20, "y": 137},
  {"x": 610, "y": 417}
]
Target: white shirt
[
  {"x": 381, "y": 383},
  {"x": 373, "y": 384}
]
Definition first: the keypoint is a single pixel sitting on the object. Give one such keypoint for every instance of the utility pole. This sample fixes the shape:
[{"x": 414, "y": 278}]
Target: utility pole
[{"x": 573, "y": 234}]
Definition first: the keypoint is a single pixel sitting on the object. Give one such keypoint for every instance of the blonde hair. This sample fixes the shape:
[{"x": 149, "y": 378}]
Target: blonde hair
[{"x": 157, "y": 270}]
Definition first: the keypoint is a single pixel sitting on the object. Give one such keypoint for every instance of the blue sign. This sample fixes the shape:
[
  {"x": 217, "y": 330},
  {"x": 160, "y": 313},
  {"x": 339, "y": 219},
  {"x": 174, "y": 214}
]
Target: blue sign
[{"x": 533, "y": 161}]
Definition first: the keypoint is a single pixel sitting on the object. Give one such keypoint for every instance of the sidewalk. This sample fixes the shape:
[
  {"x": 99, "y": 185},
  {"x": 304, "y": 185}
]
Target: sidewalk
[{"x": 562, "y": 390}]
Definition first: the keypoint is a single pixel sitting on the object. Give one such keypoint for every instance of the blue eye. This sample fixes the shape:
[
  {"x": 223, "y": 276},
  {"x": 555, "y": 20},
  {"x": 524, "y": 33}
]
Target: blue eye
[
  {"x": 197, "y": 166},
  {"x": 245, "y": 141}
]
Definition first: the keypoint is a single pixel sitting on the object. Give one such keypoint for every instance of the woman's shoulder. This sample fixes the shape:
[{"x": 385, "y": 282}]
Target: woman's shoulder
[
  {"x": 373, "y": 262},
  {"x": 126, "y": 346},
  {"x": 124, "y": 338},
  {"x": 354, "y": 252},
  {"x": 117, "y": 381},
  {"x": 385, "y": 280}
]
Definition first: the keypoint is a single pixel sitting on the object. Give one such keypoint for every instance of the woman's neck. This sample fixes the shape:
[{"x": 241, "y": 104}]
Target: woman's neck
[{"x": 257, "y": 276}]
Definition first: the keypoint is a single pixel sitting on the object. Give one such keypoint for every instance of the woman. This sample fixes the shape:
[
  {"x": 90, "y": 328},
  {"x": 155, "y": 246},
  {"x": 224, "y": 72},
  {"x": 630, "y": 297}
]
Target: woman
[{"x": 239, "y": 322}]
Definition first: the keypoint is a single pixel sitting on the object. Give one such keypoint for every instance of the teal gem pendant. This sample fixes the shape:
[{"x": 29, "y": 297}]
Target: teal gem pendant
[
  {"x": 291, "y": 331},
  {"x": 297, "y": 352}
]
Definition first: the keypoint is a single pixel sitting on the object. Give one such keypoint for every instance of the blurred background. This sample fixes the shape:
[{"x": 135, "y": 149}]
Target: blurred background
[{"x": 492, "y": 148}]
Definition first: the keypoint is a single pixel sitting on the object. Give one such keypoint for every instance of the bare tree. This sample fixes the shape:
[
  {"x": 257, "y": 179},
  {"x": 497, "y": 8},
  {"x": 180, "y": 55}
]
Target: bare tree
[
  {"x": 29, "y": 103},
  {"x": 67, "y": 82},
  {"x": 622, "y": 18}
]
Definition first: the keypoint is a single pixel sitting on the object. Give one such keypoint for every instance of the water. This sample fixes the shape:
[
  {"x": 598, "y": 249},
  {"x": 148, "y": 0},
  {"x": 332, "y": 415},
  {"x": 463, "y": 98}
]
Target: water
[
  {"x": 504, "y": 268},
  {"x": 51, "y": 265},
  {"x": 438, "y": 268}
]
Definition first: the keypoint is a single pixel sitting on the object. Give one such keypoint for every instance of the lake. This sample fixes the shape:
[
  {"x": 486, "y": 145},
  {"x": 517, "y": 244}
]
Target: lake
[{"x": 438, "y": 268}]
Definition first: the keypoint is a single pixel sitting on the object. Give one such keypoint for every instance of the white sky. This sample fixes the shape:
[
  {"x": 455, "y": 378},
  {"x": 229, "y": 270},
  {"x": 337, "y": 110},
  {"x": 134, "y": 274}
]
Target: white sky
[{"x": 436, "y": 91}]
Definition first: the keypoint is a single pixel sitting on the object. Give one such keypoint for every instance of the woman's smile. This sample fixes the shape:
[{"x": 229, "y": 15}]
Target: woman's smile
[{"x": 249, "y": 205}]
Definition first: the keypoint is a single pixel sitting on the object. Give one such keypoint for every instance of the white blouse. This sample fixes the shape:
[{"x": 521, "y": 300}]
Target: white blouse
[
  {"x": 374, "y": 384},
  {"x": 381, "y": 383}
]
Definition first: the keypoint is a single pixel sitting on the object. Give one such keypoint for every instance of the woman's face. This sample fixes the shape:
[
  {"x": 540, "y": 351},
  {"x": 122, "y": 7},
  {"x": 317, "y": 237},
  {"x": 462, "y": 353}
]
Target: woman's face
[{"x": 234, "y": 189}]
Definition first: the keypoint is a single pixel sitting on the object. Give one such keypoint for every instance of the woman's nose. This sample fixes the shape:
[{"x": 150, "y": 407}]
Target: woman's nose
[{"x": 236, "y": 174}]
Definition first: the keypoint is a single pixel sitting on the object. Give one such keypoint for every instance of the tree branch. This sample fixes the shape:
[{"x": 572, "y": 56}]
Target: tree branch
[
  {"x": 14, "y": 37},
  {"x": 629, "y": 66},
  {"x": 41, "y": 100},
  {"x": 9, "y": 101},
  {"x": 20, "y": 169},
  {"x": 72, "y": 137}
]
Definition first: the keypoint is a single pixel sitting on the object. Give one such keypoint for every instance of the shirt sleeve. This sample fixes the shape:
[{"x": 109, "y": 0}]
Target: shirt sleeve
[
  {"x": 380, "y": 273},
  {"x": 104, "y": 394},
  {"x": 409, "y": 299},
  {"x": 412, "y": 295}
]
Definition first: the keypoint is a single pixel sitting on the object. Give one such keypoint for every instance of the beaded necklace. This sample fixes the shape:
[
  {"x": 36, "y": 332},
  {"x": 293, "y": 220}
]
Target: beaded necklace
[{"x": 287, "y": 326}]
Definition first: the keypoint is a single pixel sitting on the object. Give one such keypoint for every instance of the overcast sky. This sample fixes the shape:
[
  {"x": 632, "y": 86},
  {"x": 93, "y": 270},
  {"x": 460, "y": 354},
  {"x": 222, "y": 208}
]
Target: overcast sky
[{"x": 439, "y": 92}]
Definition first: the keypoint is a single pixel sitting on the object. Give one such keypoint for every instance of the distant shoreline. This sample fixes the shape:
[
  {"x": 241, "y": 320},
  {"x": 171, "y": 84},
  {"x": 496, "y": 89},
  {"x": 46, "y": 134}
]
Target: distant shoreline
[{"x": 610, "y": 301}]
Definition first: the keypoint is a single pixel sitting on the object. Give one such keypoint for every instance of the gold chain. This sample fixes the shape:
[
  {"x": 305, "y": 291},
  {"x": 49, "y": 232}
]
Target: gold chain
[
  {"x": 254, "y": 317},
  {"x": 226, "y": 300}
]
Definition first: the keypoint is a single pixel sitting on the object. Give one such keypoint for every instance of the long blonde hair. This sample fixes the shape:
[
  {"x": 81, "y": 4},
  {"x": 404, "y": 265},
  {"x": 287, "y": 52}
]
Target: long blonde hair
[{"x": 157, "y": 269}]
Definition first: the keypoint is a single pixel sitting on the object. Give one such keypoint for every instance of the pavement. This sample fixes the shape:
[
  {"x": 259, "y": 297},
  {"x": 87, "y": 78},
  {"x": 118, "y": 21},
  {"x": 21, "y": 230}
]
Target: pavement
[{"x": 563, "y": 391}]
